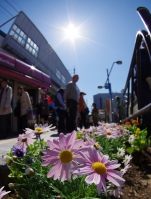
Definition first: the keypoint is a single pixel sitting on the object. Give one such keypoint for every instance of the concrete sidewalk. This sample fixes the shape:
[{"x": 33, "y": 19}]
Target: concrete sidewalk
[{"x": 8, "y": 143}]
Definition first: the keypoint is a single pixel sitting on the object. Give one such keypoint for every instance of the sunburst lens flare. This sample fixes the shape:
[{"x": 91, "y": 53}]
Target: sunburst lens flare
[{"x": 72, "y": 32}]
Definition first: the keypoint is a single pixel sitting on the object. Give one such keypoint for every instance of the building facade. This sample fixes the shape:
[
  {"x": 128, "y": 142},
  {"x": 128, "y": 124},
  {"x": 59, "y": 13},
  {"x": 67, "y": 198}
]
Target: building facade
[
  {"x": 100, "y": 100},
  {"x": 27, "y": 59}
]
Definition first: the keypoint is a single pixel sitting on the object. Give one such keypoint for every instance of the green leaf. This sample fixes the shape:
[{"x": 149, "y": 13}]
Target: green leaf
[
  {"x": 142, "y": 141},
  {"x": 89, "y": 198},
  {"x": 130, "y": 150}
]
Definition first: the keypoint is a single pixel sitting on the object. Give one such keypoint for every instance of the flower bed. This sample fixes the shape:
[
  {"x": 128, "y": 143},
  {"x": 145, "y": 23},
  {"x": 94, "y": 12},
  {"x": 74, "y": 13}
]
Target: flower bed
[{"x": 89, "y": 163}]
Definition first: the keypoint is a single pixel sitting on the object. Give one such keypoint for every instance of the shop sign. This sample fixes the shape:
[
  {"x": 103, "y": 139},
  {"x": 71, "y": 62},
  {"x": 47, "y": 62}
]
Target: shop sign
[{"x": 6, "y": 60}]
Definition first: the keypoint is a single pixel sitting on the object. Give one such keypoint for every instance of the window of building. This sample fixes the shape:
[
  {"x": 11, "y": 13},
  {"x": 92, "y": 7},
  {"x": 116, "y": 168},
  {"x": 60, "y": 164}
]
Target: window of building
[
  {"x": 63, "y": 79},
  {"x": 58, "y": 73},
  {"x": 32, "y": 47},
  {"x": 18, "y": 35},
  {"x": 21, "y": 38}
]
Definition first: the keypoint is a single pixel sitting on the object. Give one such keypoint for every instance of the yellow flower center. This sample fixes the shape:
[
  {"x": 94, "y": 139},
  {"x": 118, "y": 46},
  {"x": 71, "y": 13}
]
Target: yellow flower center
[
  {"x": 78, "y": 137},
  {"x": 108, "y": 133},
  {"x": 66, "y": 156},
  {"x": 38, "y": 129},
  {"x": 99, "y": 168},
  {"x": 24, "y": 140},
  {"x": 97, "y": 144}
]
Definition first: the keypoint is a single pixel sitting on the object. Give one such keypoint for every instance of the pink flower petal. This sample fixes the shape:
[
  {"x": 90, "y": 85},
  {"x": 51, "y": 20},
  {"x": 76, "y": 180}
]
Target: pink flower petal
[
  {"x": 52, "y": 144},
  {"x": 113, "y": 166},
  {"x": 50, "y": 152},
  {"x": 104, "y": 184},
  {"x": 62, "y": 141},
  {"x": 115, "y": 182},
  {"x": 67, "y": 171},
  {"x": 86, "y": 170},
  {"x": 54, "y": 169},
  {"x": 58, "y": 173},
  {"x": 115, "y": 175},
  {"x": 97, "y": 178},
  {"x": 105, "y": 159},
  {"x": 71, "y": 139},
  {"x": 78, "y": 144},
  {"x": 99, "y": 187},
  {"x": 90, "y": 179}
]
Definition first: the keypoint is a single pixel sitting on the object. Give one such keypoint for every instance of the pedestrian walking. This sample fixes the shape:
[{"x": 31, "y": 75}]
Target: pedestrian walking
[
  {"x": 5, "y": 106},
  {"x": 25, "y": 104},
  {"x": 44, "y": 109},
  {"x": 81, "y": 110},
  {"x": 95, "y": 114},
  {"x": 72, "y": 98},
  {"x": 60, "y": 109}
]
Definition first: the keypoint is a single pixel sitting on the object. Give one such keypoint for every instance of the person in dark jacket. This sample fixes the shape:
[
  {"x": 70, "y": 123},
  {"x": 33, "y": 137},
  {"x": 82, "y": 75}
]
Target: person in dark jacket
[
  {"x": 95, "y": 114},
  {"x": 60, "y": 109},
  {"x": 81, "y": 110},
  {"x": 44, "y": 109}
]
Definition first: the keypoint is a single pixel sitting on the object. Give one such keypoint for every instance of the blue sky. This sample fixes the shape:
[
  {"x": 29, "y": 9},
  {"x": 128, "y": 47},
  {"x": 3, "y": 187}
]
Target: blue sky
[{"x": 107, "y": 30}]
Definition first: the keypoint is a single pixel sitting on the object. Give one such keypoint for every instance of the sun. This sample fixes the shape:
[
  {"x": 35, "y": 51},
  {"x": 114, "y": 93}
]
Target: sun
[{"x": 72, "y": 32}]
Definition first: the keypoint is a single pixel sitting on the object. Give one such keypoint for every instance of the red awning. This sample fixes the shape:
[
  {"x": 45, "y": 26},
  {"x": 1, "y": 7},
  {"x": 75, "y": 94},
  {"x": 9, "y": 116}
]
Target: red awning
[{"x": 26, "y": 70}]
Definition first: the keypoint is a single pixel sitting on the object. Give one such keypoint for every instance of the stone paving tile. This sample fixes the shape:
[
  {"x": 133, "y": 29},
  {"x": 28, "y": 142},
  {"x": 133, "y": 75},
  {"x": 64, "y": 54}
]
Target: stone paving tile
[{"x": 7, "y": 144}]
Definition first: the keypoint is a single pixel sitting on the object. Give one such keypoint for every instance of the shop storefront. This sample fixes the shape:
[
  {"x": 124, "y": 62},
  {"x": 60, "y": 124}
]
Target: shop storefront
[{"x": 20, "y": 73}]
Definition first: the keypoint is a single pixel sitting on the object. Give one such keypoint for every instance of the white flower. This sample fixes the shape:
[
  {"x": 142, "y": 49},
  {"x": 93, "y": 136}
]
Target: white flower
[
  {"x": 39, "y": 128},
  {"x": 131, "y": 139},
  {"x": 29, "y": 171},
  {"x": 127, "y": 159},
  {"x": 8, "y": 159},
  {"x": 121, "y": 152},
  {"x": 3, "y": 193},
  {"x": 125, "y": 169}
]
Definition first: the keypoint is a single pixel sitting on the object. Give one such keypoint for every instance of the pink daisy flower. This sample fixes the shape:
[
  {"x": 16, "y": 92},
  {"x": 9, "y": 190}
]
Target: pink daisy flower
[
  {"x": 99, "y": 168},
  {"x": 110, "y": 133},
  {"x": 24, "y": 140},
  {"x": 63, "y": 156},
  {"x": 3, "y": 193},
  {"x": 39, "y": 128},
  {"x": 92, "y": 142},
  {"x": 117, "y": 191}
]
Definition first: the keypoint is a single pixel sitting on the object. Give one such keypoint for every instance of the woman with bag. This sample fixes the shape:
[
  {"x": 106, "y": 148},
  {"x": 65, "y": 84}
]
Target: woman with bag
[{"x": 25, "y": 105}]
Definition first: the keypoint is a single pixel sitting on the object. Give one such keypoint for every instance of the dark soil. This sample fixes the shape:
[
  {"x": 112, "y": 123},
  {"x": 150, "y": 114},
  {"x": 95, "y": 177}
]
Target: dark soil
[{"x": 138, "y": 177}]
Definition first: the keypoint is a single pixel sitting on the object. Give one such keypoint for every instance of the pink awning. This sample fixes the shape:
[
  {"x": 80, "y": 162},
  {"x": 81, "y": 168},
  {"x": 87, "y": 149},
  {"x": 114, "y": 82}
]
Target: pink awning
[
  {"x": 22, "y": 78},
  {"x": 23, "y": 68}
]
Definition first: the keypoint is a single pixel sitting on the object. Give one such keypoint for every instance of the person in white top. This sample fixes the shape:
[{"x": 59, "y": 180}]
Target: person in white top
[
  {"x": 72, "y": 99},
  {"x": 5, "y": 106}
]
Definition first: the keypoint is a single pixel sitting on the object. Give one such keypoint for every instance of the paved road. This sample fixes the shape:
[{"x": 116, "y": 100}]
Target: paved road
[{"x": 7, "y": 144}]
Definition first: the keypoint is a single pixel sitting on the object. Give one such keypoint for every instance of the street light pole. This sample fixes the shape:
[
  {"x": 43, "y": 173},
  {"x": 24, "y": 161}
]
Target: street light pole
[
  {"x": 108, "y": 86},
  {"x": 110, "y": 90}
]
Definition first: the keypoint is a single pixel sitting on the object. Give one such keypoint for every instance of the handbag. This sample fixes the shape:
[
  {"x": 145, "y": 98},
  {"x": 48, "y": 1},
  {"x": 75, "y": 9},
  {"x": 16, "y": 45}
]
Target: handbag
[
  {"x": 17, "y": 109},
  {"x": 87, "y": 111}
]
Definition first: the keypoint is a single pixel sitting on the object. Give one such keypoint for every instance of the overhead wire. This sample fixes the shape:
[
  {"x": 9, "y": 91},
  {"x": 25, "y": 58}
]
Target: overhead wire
[
  {"x": 6, "y": 10},
  {"x": 12, "y": 6},
  {"x": 4, "y": 13},
  {"x": 17, "y": 5}
]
